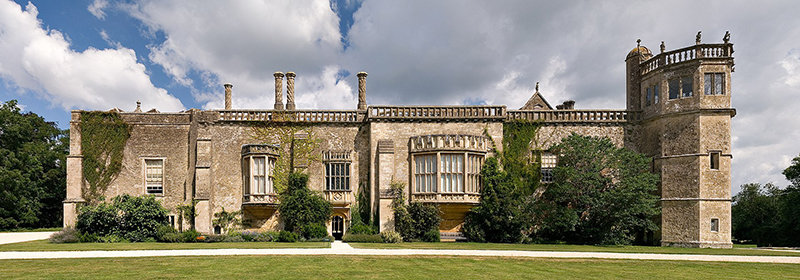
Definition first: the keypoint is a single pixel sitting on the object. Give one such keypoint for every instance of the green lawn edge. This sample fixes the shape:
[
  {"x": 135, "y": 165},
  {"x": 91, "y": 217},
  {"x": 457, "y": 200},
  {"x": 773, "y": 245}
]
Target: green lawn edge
[
  {"x": 379, "y": 267},
  {"x": 738, "y": 250},
  {"x": 44, "y": 245}
]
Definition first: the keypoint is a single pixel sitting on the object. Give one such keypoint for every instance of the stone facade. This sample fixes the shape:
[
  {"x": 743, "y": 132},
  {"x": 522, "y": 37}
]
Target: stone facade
[{"x": 218, "y": 157}]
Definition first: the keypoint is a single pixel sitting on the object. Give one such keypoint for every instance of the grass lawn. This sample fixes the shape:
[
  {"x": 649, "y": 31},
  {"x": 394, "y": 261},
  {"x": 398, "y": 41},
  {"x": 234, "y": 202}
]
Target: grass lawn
[
  {"x": 44, "y": 245},
  {"x": 747, "y": 251},
  {"x": 377, "y": 267}
]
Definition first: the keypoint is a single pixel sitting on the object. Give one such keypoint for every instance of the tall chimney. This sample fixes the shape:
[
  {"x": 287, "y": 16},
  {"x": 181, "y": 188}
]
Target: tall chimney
[
  {"x": 362, "y": 91},
  {"x": 278, "y": 90},
  {"x": 228, "y": 88},
  {"x": 290, "y": 90}
]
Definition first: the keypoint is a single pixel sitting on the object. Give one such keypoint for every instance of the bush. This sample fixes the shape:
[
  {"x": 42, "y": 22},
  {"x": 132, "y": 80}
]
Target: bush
[
  {"x": 88, "y": 237},
  {"x": 67, "y": 235},
  {"x": 172, "y": 237},
  {"x": 234, "y": 238},
  {"x": 432, "y": 235},
  {"x": 264, "y": 237},
  {"x": 190, "y": 235},
  {"x": 315, "y": 231},
  {"x": 215, "y": 238},
  {"x": 134, "y": 218},
  {"x": 363, "y": 238},
  {"x": 163, "y": 231},
  {"x": 300, "y": 206},
  {"x": 287, "y": 236},
  {"x": 359, "y": 228},
  {"x": 391, "y": 236},
  {"x": 112, "y": 238}
]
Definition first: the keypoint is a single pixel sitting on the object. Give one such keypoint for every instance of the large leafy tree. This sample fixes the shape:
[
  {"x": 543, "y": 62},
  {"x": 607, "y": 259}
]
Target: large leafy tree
[
  {"x": 499, "y": 216},
  {"x": 755, "y": 214},
  {"x": 602, "y": 194},
  {"x": 32, "y": 169}
]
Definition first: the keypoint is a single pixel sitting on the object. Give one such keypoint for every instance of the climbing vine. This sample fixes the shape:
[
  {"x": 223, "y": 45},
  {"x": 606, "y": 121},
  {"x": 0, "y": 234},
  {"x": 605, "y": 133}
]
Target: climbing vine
[
  {"x": 517, "y": 160},
  {"x": 103, "y": 138},
  {"x": 297, "y": 141}
]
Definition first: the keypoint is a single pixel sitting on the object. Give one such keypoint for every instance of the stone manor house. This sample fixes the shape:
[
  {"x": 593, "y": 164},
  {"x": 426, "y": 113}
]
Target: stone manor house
[{"x": 678, "y": 112}]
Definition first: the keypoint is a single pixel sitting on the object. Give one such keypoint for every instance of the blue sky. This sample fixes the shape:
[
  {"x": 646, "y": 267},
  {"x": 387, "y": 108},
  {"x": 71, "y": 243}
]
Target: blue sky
[{"x": 56, "y": 56}]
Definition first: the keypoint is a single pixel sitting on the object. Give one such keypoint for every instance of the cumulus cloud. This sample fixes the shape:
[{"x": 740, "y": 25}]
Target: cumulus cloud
[{"x": 41, "y": 61}]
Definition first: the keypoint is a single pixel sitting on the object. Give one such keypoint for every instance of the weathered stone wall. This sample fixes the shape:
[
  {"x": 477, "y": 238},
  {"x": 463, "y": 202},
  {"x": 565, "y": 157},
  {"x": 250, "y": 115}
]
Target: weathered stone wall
[{"x": 551, "y": 134}]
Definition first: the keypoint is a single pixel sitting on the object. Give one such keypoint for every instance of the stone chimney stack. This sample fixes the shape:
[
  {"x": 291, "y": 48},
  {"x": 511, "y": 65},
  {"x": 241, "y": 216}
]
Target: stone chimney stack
[
  {"x": 290, "y": 90},
  {"x": 228, "y": 88},
  {"x": 278, "y": 90},
  {"x": 362, "y": 91}
]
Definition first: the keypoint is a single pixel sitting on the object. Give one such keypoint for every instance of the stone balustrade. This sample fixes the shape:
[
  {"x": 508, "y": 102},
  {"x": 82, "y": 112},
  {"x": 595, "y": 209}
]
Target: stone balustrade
[
  {"x": 330, "y": 116},
  {"x": 269, "y": 198},
  {"x": 469, "y": 198},
  {"x": 339, "y": 197},
  {"x": 411, "y": 113},
  {"x": 687, "y": 54},
  {"x": 560, "y": 116}
]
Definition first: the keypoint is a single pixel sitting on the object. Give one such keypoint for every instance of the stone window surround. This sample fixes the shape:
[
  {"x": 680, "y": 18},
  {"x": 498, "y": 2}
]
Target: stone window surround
[
  {"x": 144, "y": 174},
  {"x": 714, "y": 225},
  {"x": 249, "y": 180},
  {"x": 680, "y": 87},
  {"x": 710, "y": 86},
  {"x": 466, "y": 174},
  {"x": 549, "y": 165},
  {"x": 714, "y": 159}
]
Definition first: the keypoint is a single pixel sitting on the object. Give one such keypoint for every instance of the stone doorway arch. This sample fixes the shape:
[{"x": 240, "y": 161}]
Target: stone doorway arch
[{"x": 337, "y": 227}]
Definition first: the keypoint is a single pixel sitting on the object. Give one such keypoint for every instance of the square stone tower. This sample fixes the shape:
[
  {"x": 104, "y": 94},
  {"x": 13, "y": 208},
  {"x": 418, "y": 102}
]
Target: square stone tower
[{"x": 684, "y": 97}]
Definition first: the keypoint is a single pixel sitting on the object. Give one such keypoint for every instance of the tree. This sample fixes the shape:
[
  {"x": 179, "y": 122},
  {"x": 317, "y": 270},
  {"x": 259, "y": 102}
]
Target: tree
[
  {"x": 755, "y": 214},
  {"x": 414, "y": 221},
  {"x": 32, "y": 169},
  {"x": 601, "y": 194},
  {"x": 300, "y": 206},
  {"x": 499, "y": 216}
]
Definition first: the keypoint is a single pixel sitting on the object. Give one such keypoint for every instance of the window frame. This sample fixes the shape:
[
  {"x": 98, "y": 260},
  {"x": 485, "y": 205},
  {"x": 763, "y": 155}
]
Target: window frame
[
  {"x": 710, "y": 80},
  {"x": 549, "y": 168},
  {"x": 714, "y": 160},
  {"x": 464, "y": 177},
  {"x": 147, "y": 182},
  {"x": 345, "y": 178},
  {"x": 676, "y": 87},
  {"x": 250, "y": 187},
  {"x": 714, "y": 225}
]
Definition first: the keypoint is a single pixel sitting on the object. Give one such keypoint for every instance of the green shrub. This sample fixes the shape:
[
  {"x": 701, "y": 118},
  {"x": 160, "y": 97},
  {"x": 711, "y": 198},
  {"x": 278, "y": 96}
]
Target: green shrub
[
  {"x": 359, "y": 227},
  {"x": 432, "y": 235},
  {"x": 287, "y": 236},
  {"x": 67, "y": 235},
  {"x": 315, "y": 231},
  {"x": 98, "y": 220},
  {"x": 265, "y": 236},
  {"x": 363, "y": 238},
  {"x": 163, "y": 231},
  {"x": 88, "y": 237},
  {"x": 300, "y": 206},
  {"x": 133, "y": 218},
  {"x": 215, "y": 238},
  {"x": 190, "y": 235},
  {"x": 391, "y": 236},
  {"x": 112, "y": 238},
  {"x": 234, "y": 238},
  {"x": 172, "y": 237}
]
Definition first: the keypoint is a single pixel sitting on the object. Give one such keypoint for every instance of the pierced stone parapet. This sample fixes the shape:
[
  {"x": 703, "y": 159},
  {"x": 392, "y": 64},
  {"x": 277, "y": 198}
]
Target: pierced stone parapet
[
  {"x": 576, "y": 116},
  {"x": 436, "y": 113},
  {"x": 700, "y": 51},
  {"x": 444, "y": 142},
  {"x": 331, "y": 116},
  {"x": 469, "y": 198}
]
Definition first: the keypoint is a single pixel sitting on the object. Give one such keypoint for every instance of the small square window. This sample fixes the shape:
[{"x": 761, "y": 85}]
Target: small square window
[
  {"x": 713, "y": 83},
  {"x": 714, "y": 157},
  {"x": 715, "y": 225},
  {"x": 674, "y": 89}
]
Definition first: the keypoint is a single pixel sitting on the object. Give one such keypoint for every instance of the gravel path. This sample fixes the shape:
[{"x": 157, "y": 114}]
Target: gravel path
[
  {"x": 14, "y": 237},
  {"x": 338, "y": 248}
]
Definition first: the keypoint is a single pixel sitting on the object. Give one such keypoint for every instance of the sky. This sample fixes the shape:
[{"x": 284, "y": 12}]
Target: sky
[{"x": 57, "y": 56}]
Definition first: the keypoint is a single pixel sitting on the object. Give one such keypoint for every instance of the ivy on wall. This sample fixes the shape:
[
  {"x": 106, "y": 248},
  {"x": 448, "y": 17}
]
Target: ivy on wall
[
  {"x": 519, "y": 137},
  {"x": 103, "y": 138},
  {"x": 295, "y": 152}
]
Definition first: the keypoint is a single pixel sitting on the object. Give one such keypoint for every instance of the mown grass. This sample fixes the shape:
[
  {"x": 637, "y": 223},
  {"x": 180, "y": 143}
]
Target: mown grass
[
  {"x": 746, "y": 251},
  {"x": 44, "y": 245},
  {"x": 391, "y": 267}
]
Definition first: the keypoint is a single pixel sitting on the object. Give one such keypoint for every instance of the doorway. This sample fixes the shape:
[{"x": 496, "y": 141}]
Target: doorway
[{"x": 337, "y": 227}]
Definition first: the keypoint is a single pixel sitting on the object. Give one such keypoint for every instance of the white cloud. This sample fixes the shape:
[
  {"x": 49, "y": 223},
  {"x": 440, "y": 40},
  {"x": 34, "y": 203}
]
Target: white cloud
[
  {"x": 792, "y": 66},
  {"x": 97, "y": 7},
  {"x": 41, "y": 61}
]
